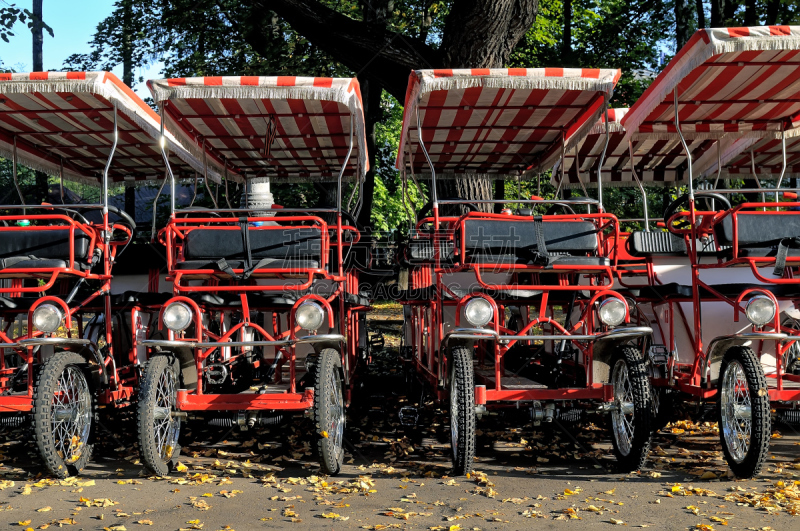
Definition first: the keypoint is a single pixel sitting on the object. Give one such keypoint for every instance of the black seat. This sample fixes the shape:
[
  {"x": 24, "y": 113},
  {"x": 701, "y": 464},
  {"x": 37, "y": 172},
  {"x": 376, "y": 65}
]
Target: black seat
[
  {"x": 274, "y": 248},
  {"x": 659, "y": 291},
  {"x": 493, "y": 241},
  {"x": 662, "y": 243},
  {"x": 39, "y": 249},
  {"x": 758, "y": 234}
]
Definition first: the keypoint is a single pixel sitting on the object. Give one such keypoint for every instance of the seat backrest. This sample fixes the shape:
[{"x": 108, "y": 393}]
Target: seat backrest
[
  {"x": 283, "y": 242},
  {"x": 757, "y": 229},
  {"x": 663, "y": 243},
  {"x": 42, "y": 243},
  {"x": 495, "y": 236}
]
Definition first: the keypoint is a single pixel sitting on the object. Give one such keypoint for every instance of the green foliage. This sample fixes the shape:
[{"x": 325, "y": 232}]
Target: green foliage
[{"x": 9, "y": 16}]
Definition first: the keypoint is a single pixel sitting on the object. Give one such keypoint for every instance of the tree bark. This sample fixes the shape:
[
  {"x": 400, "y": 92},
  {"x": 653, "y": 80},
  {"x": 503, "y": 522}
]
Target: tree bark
[
  {"x": 701, "y": 14},
  {"x": 127, "y": 42},
  {"x": 38, "y": 36},
  {"x": 682, "y": 22},
  {"x": 773, "y": 8},
  {"x": 750, "y": 15},
  {"x": 371, "y": 95},
  {"x": 717, "y": 8},
  {"x": 566, "y": 38}
]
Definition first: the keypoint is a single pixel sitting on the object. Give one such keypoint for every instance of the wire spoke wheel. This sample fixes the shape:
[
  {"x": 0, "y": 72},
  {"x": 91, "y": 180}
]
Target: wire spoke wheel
[
  {"x": 329, "y": 411},
  {"x": 632, "y": 411},
  {"x": 63, "y": 414},
  {"x": 743, "y": 411},
  {"x": 159, "y": 425}
]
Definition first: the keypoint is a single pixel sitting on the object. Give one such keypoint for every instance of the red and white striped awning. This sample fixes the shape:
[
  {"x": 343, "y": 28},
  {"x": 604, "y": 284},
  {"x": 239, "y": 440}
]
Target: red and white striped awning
[
  {"x": 313, "y": 119},
  {"x": 66, "y": 120},
  {"x": 743, "y": 81},
  {"x": 657, "y": 161},
  {"x": 765, "y": 155},
  {"x": 499, "y": 122}
]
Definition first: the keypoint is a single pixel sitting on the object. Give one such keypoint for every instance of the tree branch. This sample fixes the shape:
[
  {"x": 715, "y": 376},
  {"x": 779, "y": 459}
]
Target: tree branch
[{"x": 368, "y": 49}]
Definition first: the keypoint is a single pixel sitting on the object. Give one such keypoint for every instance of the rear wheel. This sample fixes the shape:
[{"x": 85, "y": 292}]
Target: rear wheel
[
  {"x": 157, "y": 421},
  {"x": 329, "y": 411},
  {"x": 63, "y": 414},
  {"x": 462, "y": 410},
  {"x": 743, "y": 412},
  {"x": 631, "y": 418}
]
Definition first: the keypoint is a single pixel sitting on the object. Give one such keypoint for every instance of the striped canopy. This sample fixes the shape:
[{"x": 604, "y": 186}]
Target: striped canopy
[
  {"x": 498, "y": 122},
  {"x": 765, "y": 155},
  {"x": 286, "y": 128},
  {"x": 63, "y": 123},
  {"x": 657, "y": 160},
  {"x": 743, "y": 81}
]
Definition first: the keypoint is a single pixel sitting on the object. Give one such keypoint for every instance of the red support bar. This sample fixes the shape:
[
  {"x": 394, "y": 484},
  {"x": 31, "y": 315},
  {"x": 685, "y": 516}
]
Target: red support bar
[{"x": 246, "y": 401}]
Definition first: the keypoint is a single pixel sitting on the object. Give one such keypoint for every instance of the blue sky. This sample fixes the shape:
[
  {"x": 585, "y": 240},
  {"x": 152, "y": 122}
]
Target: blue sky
[{"x": 73, "y": 22}]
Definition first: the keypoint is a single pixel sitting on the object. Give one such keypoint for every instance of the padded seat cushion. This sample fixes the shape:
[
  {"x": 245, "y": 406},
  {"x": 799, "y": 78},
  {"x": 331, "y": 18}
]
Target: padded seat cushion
[
  {"x": 660, "y": 291},
  {"x": 282, "y": 243},
  {"x": 500, "y": 236},
  {"x": 44, "y": 248},
  {"x": 759, "y": 229},
  {"x": 662, "y": 243}
]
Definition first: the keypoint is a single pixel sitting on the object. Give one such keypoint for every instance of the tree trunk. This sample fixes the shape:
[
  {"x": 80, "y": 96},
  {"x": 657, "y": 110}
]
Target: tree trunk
[
  {"x": 127, "y": 42},
  {"x": 717, "y": 8},
  {"x": 682, "y": 22},
  {"x": 728, "y": 12},
  {"x": 701, "y": 14},
  {"x": 566, "y": 39},
  {"x": 38, "y": 36},
  {"x": 41, "y": 189},
  {"x": 371, "y": 95},
  {"x": 750, "y": 15},
  {"x": 773, "y": 8}
]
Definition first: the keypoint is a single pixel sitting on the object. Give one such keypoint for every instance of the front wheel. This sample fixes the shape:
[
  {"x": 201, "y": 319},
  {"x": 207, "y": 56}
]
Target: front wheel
[
  {"x": 631, "y": 418},
  {"x": 158, "y": 423},
  {"x": 63, "y": 414},
  {"x": 743, "y": 412},
  {"x": 462, "y": 410},
  {"x": 329, "y": 411}
]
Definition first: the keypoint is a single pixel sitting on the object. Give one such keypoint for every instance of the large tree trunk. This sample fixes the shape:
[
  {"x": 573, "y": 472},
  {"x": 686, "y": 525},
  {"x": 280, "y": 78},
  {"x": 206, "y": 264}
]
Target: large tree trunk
[
  {"x": 683, "y": 16},
  {"x": 717, "y": 8},
  {"x": 41, "y": 190},
  {"x": 371, "y": 94},
  {"x": 566, "y": 37},
  {"x": 750, "y": 15},
  {"x": 701, "y": 14},
  {"x": 127, "y": 42},
  {"x": 477, "y": 34},
  {"x": 773, "y": 8}
]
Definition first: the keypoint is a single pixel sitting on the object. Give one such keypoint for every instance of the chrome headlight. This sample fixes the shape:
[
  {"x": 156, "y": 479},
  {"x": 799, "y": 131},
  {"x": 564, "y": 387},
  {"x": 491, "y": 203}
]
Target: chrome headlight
[
  {"x": 760, "y": 310},
  {"x": 47, "y": 318},
  {"x": 177, "y": 317},
  {"x": 478, "y": 311},
  {"x": 612, "y": 311},
  {"x": 309, "y": 316}
]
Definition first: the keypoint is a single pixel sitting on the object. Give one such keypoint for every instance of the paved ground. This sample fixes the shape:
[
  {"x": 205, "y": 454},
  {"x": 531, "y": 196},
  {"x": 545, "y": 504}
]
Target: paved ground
[{"x": 397, "y": 478}]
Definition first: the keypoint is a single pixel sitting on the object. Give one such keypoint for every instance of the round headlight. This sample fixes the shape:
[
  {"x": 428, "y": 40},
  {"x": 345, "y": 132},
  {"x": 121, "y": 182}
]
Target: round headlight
[
  {"x": 612, "y": 311},
  {"x": 177, "y": 317},
  {"x": 478, "y": 311},
  {"x": 760, "y": 310},
  {"x": 47, "y": 318},
  {"x": 309, "y": 316}
]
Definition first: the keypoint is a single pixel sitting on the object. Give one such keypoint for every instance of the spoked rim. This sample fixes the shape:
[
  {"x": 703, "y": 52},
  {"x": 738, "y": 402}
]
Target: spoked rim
[
  {"x": 622, "y": 417},
  {"x": 736, "y": 407},
  {"x": 71, "y": 410},
  {"x": 336, "y": 408},
  {"x": 166, "y": 426}
]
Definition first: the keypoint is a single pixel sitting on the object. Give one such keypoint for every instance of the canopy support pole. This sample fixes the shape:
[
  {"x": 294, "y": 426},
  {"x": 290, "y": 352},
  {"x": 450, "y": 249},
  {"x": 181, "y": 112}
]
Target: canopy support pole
[
  {"x": 685, "y": 145},
  {"x": 163, "y": 145},
  {"x": 641, "y": 188},
  {"x": 434, "y": 194},
  {"x": 344, "y": 167},
  {"x": 14, "y": 172},
  {"x": 602, "y": 160},
  {"x": 755, "y": 177},
  {"x": 578, "y": 175},
  {"x": 783, "y": 166},
  {"x": 225, "y": 178},
  {"x": 108, "y": 163},
  {"x": 563, "y": 161}
]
